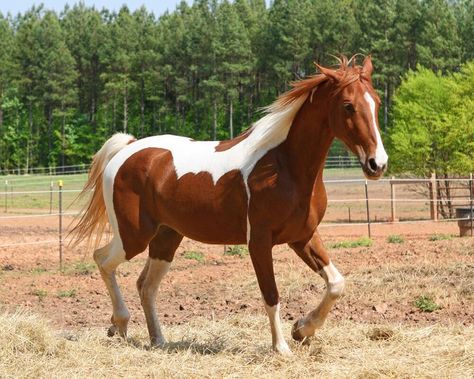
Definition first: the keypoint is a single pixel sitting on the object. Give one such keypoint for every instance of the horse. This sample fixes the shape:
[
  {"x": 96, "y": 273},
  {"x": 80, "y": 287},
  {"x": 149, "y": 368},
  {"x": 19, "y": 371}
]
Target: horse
[{"x": 262, "y": 188}]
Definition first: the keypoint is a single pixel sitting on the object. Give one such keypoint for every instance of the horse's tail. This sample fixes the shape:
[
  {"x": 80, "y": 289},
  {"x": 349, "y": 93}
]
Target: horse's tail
[{"x": 93, "y": 221}]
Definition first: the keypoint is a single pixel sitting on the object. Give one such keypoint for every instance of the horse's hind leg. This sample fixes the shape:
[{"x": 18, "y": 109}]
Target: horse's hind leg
[
  {"x": 107, "y": 259},
  {"x": 162, "y": 248},
  {"x": 314, "y": 254}
]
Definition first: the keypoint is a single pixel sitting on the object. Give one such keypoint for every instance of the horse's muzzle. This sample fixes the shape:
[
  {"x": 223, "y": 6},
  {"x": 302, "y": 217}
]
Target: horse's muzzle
[{"x": 372, "y": 169}]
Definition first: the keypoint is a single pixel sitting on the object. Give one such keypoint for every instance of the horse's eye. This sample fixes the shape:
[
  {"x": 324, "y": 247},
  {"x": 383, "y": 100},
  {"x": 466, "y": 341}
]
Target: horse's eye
[{"x": 349, "y": 108}]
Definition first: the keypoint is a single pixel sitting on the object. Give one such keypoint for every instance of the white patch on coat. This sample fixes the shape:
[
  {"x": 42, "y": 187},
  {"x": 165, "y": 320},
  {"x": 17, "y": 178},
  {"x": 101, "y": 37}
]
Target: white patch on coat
[
  {"x": 381, "y": 156},
  {"x": 195, "y": 156}
]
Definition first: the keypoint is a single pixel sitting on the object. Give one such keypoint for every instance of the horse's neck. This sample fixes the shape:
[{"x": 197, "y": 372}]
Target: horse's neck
[{"x": 308, "y": 143}]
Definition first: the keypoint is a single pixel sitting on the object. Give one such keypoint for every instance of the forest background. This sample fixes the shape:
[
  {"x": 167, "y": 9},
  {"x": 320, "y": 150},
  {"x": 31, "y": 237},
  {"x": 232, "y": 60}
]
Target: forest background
[{"x": 69, "y": 80}]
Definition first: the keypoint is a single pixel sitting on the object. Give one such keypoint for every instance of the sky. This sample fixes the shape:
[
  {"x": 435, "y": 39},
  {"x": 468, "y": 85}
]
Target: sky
[{"x": 158, "y": 7}]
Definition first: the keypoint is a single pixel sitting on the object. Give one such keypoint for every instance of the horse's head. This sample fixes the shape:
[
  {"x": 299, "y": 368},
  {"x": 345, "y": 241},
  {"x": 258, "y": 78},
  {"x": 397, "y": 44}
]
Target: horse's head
[{"x": 353, "y": 115}]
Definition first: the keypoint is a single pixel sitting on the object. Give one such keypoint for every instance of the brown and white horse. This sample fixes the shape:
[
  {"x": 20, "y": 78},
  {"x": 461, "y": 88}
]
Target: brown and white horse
[{"x": 262, "y": 188}]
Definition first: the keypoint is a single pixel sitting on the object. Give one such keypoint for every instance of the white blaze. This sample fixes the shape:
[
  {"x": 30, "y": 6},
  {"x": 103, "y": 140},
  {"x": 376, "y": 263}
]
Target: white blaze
[{"x": 381, "y": 156}]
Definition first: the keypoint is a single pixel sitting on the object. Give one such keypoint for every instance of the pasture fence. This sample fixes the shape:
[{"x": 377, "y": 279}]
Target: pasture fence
[
  {"x": 335, "y": 161},
  {"x": 365, "y": 205}
]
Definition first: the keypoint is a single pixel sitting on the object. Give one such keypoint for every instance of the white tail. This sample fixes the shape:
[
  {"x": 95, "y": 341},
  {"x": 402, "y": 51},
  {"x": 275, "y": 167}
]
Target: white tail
[{"x": 93, "y": 222}]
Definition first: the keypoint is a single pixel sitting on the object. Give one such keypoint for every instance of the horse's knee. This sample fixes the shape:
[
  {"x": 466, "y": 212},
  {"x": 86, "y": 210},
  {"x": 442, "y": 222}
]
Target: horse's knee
[
  {"x": 334, "y": 280},
  {"x": 336, "y": 288}
]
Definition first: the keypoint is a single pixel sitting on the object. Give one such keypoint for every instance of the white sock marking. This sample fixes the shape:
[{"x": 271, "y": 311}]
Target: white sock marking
[{"x": 278, "y": 341}]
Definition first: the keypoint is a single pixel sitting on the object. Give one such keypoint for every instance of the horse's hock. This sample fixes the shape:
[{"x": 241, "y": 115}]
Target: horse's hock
[{"x": 467, "y": 222}]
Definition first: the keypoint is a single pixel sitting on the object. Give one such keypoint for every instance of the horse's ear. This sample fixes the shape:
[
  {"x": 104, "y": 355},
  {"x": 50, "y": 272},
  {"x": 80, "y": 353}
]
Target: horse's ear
[
  {"x": 367, "y": 67},
  {"x": 331, "y": 74}
]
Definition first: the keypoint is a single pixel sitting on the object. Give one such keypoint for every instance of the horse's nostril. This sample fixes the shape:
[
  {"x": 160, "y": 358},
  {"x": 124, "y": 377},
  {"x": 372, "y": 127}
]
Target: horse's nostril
[{"x": 372, "y": 164}]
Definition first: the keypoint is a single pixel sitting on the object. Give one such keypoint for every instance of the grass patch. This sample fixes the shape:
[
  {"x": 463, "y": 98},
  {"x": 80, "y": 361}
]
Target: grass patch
[
  {"x": 237, "y": 250},
  {"x": 83, "y": 268},
  {"x": 361, "y": 242},
  {"x": 38, "y": 270},
  {"x": 395, "y": 238},
  {"x": 440, "y": 237},
  {"x": 40, "y": 293},
  {"x": 426, "y": 304},
  {"x": 195, "y": 255},
  {"x": 66, "y": 293}
]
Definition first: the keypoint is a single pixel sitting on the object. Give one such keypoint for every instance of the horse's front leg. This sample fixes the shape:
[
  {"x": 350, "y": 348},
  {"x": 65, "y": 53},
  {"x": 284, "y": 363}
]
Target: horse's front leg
[
  {"x": 314, "y": 254},
  {"x": 260, "y": 247}
]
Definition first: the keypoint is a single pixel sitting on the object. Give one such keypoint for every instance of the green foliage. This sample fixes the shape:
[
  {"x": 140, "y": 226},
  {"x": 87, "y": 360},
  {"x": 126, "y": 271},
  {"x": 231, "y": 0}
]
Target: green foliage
[
  {"x": 237, "y": 250},
  {"x": 440, "y": 237},
  {"x": 394, "y": 238},
  {"x": 38, "y": 270},
  {"x": 426, "y": 304},
  {"x": 83, "y": 268},
  {"x": 195, "y": 255},
  {"x": 432, "y": 129},
  {"x": 361, "y": 242},
  {"x": 69, "y": 80},
  {"x": 66, "y": 293},
  {"x": 40, "y": 293}
]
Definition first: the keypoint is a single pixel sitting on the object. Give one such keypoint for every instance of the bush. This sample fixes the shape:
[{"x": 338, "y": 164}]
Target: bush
[
  {"x": 195, "y": 255},
  {"x": 361, "y": 242},
  {"x": 394, "y": 238},
  {"x": 237, "y": 250},
  {"x": 426, "y": 304}
]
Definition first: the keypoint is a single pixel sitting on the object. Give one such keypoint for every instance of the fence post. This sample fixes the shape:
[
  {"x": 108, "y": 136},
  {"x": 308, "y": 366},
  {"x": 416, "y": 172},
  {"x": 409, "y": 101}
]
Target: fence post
[
  {"x": 433, "y": 197},
  {"x": 392, "y": 200},
  {"x": 51, "y": 188},
  {"x": 367, "y": 206},
  {"x": 6, "y": 196},
  {"x": 60, "y": 193},
  {"x": 471, "y": 190}
]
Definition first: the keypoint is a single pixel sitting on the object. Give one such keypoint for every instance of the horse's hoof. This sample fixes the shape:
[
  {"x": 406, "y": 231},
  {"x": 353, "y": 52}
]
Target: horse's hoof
[
  {"x": 157, "y": 343},
  {"x": 296, "y": 331},
  {"x": 283, "y": 350},
  {"x": 111, "y": 331}
]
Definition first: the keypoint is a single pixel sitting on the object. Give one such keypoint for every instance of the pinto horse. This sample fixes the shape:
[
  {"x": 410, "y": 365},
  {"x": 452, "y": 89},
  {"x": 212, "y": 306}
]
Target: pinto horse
[{"x": 263, "y": 188}]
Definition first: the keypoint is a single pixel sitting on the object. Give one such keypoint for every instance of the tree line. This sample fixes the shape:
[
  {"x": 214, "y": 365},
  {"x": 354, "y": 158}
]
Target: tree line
[{"x": 69, "y": 80}]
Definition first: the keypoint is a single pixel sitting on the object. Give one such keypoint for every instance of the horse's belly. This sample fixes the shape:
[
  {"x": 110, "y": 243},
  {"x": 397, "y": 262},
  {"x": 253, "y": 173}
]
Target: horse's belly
[{"x": 203, "y": 210}]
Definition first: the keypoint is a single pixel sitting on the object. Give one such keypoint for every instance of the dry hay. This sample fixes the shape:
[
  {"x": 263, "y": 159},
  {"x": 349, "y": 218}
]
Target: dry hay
[{"x": 236, "y": 347}]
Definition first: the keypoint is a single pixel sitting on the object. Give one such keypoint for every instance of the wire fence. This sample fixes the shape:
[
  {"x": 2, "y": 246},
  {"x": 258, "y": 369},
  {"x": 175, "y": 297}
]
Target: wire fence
[
  {"x": 339, "y": 161},
  {"x": 353, "y": 202}
]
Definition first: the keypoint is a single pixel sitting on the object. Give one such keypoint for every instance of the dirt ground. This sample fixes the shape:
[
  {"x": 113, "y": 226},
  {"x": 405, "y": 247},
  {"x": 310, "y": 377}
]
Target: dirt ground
[{"x": 383, "y": 280}]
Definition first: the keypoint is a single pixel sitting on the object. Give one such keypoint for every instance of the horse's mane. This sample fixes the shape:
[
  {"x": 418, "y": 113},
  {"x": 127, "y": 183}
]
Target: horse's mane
[
  {"x": 274, "y": 126},
  {"x": 348, "y": 74}
]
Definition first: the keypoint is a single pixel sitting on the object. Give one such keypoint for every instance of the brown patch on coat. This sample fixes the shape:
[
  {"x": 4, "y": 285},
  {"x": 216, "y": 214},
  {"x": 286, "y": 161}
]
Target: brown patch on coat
[
  {"x": 226, "y": 145},
  {"x": 148, "y": 194}
]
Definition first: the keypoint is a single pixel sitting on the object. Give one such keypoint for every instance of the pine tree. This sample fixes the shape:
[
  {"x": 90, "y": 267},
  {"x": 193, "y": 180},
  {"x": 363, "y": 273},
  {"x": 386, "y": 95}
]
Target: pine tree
[
  {"x": 83, "y": 31},
  {"x": 117, "y": 54},
  {"x": 234, "y": 56},
  {"x": 440, "y": 46},
  {"x": 57, "y": 77}
]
